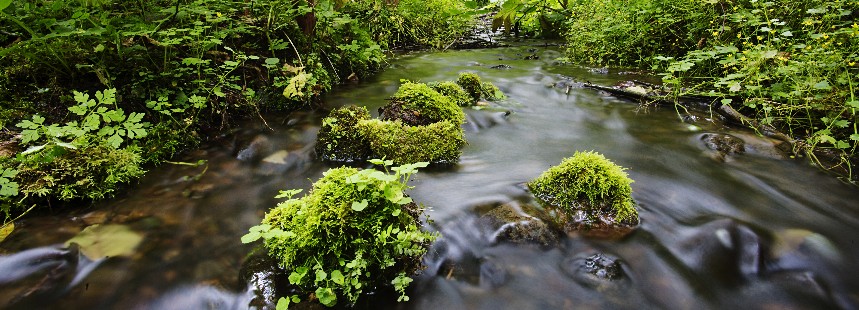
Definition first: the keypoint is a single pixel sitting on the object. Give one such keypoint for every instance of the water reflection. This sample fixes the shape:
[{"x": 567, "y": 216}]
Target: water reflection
[{"x": 751, "y": 230}]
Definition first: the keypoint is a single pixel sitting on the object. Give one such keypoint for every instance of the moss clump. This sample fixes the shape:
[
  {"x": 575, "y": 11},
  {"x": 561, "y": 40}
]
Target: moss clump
[
  {"x": 355, "y": 230},
  {"x": 420, "y": 99},
  {"x": 93, "y": 172},
  {"x": 339, "y": 139},
  {"x": 402, "y": 143},
  {"x": 588, "y": 180},
  {"x": 454, "y": 92},
  {"x": 472, "y": 85}
]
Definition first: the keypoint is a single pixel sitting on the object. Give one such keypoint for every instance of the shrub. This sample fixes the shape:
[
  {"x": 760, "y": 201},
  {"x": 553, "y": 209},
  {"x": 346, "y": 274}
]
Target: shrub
[
  {"x": 436, "y": 142},
  {"x": 354, "y": 231},
  {"x": 587, "y": 180}
]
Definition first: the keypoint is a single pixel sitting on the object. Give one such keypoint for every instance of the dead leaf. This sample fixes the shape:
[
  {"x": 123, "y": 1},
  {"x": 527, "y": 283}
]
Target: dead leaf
[
  {"x": 98, "y": 241},
  {"x": 6, "y": 230}
]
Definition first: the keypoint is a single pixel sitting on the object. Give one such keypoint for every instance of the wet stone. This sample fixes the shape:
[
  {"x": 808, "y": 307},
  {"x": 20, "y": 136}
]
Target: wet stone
[
  {"x": 723, "y": 145},
  {"x": 501, "y": 67},
  {"x": 511, "y": 223},
  {"x": 596, "y": 270}
]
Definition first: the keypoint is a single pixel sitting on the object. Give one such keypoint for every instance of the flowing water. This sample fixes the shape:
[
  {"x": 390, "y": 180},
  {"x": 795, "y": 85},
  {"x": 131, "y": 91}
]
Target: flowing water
[{"x": 749, "y": 230}]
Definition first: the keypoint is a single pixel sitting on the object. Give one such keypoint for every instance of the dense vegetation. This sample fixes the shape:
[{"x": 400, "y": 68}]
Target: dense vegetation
[
  {"x": 355, "y": 231},
  {"x": 93, "y": 91},
  {"x": 788, "y": 64}
]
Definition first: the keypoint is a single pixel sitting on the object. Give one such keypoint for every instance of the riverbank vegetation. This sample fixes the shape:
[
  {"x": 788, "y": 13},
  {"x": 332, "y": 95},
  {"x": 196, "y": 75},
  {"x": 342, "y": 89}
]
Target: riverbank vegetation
[
  {"x": 92, "y": 92},
  {"x": 788, "y": 64}
]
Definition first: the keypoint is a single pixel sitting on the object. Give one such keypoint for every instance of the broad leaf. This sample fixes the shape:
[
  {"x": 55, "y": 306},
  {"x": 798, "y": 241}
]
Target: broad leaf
[{"x": 99, "y": 241}]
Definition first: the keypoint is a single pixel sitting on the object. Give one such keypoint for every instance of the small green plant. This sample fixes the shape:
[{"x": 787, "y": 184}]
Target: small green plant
[
  {"x": 340, "y": 139},
  {"x": 97, "y": 122},
  {"x": 355, "y": 230},
  {"x": 587, "y": 177}
]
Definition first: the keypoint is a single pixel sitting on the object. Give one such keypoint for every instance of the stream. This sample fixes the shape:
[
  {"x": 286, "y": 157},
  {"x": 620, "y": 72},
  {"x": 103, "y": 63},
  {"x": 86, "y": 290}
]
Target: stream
[{"x": 747, "y": 229}]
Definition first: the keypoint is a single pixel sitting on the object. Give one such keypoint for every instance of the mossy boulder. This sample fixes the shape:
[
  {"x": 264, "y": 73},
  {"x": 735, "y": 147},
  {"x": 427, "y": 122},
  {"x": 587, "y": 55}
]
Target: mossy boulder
[
  {"x": 438, "y": 142},
  {"x": 339, "y": 139},
  {"x": 590, "y": 194},
  {"x": 419, "y": 104},
  {"x": 356, "y": 230},
  {"x": 477, "y": 89},
  {"x": 454, "y": 92}
]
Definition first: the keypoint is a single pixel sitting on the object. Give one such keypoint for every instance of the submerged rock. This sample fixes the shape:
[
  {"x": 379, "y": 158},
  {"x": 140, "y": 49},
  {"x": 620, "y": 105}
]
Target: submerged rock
[
  {"x": 723, "y": 145},
  {"x": 588, "y": 194},
  {"x": 594, "y": 270},
  {"x": 510, "y": 223}
]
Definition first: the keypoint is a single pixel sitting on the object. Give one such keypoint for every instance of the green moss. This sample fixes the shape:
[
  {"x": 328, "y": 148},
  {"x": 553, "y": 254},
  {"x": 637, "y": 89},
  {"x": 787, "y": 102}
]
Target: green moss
[
  {"x": 93, "y": 172},
  {"x": 437, "y": 142},
  {"x": 339, "y": 139},
  {"x": 431, "y": 105},
  {"x": 590, "y": 177},
  {"x": 477, "y": 89},
  {"x": 354, "y": 230},
  {"x": 454, "y": 92}
]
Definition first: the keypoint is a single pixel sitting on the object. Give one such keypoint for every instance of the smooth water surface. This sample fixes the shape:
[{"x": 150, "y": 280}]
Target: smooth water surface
[{"x": 750, "y": 230}]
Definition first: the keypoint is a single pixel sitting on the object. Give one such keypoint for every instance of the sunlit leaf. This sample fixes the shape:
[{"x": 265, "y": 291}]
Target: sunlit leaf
[
  {"x": 326, "y": 296},
  {"x": 99, "y": 241},
  {"x": 6, "y": 230},
  {"x": 358, "y": 206}
]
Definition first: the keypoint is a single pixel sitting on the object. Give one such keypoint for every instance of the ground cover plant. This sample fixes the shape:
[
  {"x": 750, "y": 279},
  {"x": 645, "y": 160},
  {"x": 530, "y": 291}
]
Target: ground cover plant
[
  {"x": 355, "y": 230},
  {"x": 165, "y": 75}
]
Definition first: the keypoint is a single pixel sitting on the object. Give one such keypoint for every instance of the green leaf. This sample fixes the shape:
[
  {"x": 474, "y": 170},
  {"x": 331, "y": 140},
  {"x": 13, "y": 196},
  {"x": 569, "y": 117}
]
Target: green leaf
[
  {"x": 854, "y": 137},
  {"x": 337, "y": 277},
  {"x": 358, "y": 206},
  {"x": 321, "y": 275},
  {"x": 853, "y": 104},
  {"x": 8, "y": 173},
  {"x": 251, "y": 237},
  {"x": 326, "y": 296},
  {"x": 288, "y": 193},
  {"x": 842, "y": 145},
  {"x": 33, "y": 149},
  {"x": 770, "y": 54},
  {"x": 99, "y": 241},
  {"x": 296, "y": 276},
  {"x": 3, "y": 5},
  {"x": 78, "y": 110},
  {"x": 114, "y": 141},
  {"x": 282, "y": 304},
  {"x": 824, "y": 85},
  {"x": 272, "y": 61}
]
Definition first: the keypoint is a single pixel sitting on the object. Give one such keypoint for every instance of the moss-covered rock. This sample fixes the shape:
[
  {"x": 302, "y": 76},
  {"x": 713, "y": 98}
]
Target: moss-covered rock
[
  {"x": 355, "y": 231},
  {"x": 590, "y": 192},
  {"x": 418, "y": 104},
  {"x": 477, "y": 89},
  {"x": 437, "y": 142},
  {"x": 339, "y": 139},
  {"x": 454, "y": 92}
]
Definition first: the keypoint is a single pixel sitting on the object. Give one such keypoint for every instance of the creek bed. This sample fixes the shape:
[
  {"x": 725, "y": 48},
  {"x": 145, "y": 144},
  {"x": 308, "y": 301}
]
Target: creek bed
[{"x": 744, "y": 227}]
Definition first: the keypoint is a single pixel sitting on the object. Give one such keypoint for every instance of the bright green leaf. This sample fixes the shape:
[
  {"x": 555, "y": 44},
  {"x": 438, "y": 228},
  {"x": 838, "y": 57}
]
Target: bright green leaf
[
  {"x": 359, "y": 206},
  {"x": 326, "y": 296},
  {"x": 282, "y": 304},
  {"x": 337, "y": 277},
  {"x": 824, "y": 85}
]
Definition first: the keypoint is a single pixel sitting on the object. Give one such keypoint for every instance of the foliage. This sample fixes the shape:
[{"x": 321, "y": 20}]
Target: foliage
[
  {"x": 187, "y": 69},
  {"x": 355, "y": 230},
  {"x": 436, "y": 142},
  {"x": 430, "y": 104},
  {"x": 789, "y": 64},
  {"x": 534, "y": 17},
  {"x": 587, "y": 176}
]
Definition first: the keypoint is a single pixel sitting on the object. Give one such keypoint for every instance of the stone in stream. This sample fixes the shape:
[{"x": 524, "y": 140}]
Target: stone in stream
[
  {"x": 510, "y": 223},
  {"x": 595, "y": 270},
  {"x": 723, "y": 145},
  {"x": 588, "y": 194}
]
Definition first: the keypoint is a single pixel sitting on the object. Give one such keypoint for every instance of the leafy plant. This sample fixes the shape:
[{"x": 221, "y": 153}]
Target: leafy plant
[{"x": 356, "y": 229}]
